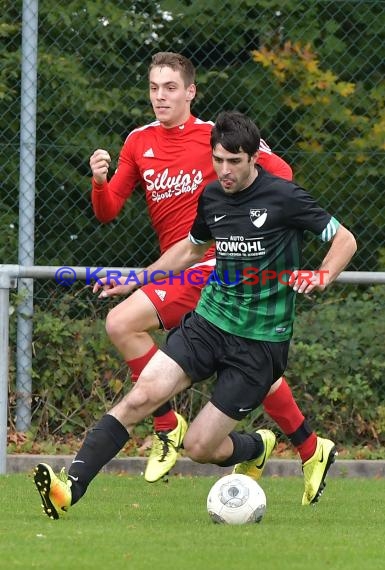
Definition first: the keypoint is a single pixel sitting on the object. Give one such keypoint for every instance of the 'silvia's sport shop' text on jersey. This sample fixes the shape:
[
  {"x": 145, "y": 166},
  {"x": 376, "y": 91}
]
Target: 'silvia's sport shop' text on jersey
[
  {"x": 172, "y": 166},
  {"x": 258, "y": 235}
]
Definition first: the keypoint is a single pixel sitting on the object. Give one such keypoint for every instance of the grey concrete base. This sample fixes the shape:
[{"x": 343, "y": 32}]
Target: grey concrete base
[{"x": 22, "y": 463}]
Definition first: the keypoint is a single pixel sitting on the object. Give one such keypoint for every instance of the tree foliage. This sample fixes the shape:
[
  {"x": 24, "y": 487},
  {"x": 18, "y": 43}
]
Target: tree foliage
[
  {"x": 335, "y": 369},
  {"x": 310, "y": 73},
  {"x": 316, "y": 91}
]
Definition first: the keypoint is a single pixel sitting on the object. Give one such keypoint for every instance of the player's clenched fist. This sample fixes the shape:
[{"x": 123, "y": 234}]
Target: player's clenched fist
[{"x": 99, "y": 163}]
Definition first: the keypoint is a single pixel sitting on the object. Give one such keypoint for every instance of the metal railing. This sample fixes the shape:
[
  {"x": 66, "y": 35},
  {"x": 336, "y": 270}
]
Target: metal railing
[{"x": 9, "y": 275}]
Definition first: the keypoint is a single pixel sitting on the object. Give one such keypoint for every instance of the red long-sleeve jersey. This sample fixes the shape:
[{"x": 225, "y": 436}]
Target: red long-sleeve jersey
[{"x": 172, "y": 166}]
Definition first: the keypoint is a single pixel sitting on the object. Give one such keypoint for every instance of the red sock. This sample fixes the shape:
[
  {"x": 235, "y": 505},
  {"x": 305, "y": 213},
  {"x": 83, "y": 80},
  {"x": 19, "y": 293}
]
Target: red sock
[
  {"x": 283, "y": 409},
  {"x": 308, "y": 447},
  {"x": 167, "y": 421},
  {"x": 137, "y": 364}
]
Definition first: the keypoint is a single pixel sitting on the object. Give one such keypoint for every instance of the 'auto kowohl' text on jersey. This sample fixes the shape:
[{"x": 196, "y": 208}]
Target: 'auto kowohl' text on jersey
[
  {"x": 173, "y": 166},
  {"x": 258, "y": 235}
]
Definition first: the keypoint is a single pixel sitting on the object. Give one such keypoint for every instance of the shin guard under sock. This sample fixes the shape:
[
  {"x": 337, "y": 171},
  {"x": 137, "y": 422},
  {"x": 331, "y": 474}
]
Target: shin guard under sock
[
  {"x": 246, "y": 446},
  {"x": 101, "y": 445},
  {"x": 283, "y": 409}
]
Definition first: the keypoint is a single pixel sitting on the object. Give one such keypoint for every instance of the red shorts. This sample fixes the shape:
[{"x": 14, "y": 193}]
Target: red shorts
[{"x": 175, "y": 296}]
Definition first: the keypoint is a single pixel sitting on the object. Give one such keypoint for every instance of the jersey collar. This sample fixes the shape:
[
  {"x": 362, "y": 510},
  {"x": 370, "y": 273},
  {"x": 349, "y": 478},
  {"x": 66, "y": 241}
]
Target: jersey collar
[{"x": 179, "y": 129}]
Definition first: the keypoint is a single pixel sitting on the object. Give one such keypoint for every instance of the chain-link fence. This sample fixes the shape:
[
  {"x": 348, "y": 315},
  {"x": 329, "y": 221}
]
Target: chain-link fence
[{"x": 309, "y": 72}]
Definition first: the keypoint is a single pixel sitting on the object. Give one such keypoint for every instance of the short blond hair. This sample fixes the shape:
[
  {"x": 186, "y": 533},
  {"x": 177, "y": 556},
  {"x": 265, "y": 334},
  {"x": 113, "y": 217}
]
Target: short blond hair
[{"x": 177, "y": 62}]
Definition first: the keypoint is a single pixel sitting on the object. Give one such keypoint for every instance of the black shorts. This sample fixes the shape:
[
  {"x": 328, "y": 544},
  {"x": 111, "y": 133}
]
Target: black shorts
[{"x": 245, "y": 368}]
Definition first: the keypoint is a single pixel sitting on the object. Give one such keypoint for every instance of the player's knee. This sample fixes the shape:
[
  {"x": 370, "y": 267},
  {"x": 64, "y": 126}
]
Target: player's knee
[
  {"x": 275, "y": 386},
  {"x": 196, "y": 451},
  {"x": 117, "y": 325}
]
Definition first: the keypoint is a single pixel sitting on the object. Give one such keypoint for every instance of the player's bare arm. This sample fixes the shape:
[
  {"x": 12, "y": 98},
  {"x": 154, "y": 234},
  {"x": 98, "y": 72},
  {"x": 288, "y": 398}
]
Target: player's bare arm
[
  {"x": 180, "y": 256},
  {"x": 99, "y": 162},
  {"x": 341, "y": 251}
]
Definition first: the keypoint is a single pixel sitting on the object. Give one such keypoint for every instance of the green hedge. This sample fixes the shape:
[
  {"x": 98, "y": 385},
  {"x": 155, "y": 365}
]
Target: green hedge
[
  {"x": 336, "y": 368},
  {"x": 337, "y": 365}
]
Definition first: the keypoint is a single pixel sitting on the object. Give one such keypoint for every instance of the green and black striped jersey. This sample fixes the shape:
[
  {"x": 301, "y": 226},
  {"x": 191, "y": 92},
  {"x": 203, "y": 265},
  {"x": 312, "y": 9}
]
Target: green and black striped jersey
[{"x": 258, "y": 237}]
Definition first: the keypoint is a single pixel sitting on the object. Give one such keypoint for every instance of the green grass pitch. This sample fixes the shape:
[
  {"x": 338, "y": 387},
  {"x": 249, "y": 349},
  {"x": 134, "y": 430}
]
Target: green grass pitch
[{"x": 124, "y": 522}]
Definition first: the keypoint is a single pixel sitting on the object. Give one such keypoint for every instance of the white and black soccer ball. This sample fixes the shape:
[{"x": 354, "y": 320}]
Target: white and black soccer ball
[{"x": 236, "y": 499}]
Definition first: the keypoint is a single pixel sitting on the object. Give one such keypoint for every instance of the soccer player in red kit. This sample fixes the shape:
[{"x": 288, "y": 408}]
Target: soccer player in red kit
[{"x": 171, "y": 160}]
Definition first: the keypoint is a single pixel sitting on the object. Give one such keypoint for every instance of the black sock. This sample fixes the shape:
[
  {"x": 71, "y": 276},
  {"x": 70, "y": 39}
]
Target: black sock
[
  {"x": 246, "y": 446},
  {"x": 164, "y": 408},
  {"x": 300, "y": 434},
  {"x": 101, "y": 445}
]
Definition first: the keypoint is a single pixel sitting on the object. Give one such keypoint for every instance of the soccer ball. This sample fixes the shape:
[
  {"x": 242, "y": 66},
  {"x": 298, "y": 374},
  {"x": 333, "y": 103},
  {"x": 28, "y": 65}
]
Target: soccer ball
[{"x": 236, "y": 499}]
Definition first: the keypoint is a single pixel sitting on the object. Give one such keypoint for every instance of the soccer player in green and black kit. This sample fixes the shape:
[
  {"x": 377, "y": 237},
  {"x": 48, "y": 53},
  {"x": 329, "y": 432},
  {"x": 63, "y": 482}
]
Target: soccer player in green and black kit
[{"x": 242, "y": 325}]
